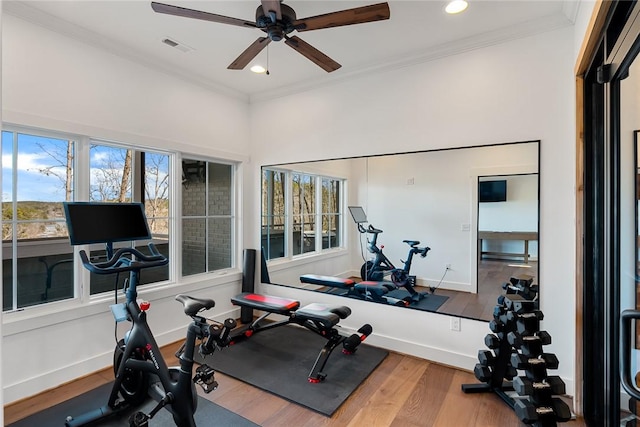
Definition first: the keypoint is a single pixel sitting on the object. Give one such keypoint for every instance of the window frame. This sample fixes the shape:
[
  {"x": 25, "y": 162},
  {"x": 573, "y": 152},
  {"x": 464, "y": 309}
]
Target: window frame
[{"x": 317, "y": 179}]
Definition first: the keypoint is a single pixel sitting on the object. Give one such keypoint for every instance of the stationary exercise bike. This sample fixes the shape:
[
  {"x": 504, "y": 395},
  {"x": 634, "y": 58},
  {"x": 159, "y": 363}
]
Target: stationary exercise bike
[
  {"x": 140, "y": 371},
  {"x": 381, "y": 266}
]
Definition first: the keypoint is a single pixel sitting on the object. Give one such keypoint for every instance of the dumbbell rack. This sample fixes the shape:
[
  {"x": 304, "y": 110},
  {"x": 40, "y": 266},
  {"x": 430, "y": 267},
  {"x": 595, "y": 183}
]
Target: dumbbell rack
[{"x": 517, "y": 344}]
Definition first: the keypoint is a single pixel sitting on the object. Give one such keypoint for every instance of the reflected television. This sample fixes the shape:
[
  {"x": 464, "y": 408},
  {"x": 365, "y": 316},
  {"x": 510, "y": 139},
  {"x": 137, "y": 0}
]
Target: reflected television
[{"x": 492, "y": 191}]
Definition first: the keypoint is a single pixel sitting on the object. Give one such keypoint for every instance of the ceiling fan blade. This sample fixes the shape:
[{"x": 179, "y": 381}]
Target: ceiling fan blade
[
  {"x": 197, "y": 14},
  {"x": 313, "y": 54},
  {"x": 358, "y": 15},
  {"x": 272, "y": 6},
  {"x": 249, "y": 53}
]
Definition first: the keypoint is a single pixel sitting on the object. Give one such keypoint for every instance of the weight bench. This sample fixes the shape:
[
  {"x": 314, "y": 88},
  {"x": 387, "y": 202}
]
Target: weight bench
[
  {"x": 319, "y": 318},
  {"x": 367, "y": 290}
]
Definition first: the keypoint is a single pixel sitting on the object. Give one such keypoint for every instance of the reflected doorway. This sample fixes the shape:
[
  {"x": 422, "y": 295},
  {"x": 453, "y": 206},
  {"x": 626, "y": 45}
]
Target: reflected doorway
[{"x": 507, "y": 230}]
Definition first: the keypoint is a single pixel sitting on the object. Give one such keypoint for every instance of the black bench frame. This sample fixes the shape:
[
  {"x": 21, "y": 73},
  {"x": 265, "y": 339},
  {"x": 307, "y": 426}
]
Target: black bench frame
[{"x": 318, "y": 318}]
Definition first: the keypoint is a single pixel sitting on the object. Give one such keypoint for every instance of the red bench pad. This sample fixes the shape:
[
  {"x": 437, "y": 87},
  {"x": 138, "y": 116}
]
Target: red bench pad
[
  {"x": 268, "y": 303},
  {"x": 335, "y": 282}
]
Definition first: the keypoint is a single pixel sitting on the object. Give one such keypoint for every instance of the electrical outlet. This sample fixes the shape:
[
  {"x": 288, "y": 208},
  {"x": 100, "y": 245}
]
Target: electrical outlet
[{"x": 455, "y": 324}]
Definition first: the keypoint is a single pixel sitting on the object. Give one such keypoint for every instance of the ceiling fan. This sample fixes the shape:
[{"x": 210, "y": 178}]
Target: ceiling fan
[{"x": 278, "y": 21}]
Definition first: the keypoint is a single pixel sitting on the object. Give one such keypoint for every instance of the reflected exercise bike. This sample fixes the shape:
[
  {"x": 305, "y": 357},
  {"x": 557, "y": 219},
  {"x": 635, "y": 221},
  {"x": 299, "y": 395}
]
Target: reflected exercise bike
[{"x": 381, "y": 266}]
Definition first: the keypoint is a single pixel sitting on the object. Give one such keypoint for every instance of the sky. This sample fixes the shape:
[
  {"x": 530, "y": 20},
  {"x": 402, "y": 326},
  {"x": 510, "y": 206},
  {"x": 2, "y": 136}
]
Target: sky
[{"x": 41, "y": 171}]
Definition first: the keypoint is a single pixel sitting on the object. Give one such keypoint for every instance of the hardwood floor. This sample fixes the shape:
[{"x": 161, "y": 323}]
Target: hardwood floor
[
  {"x": 491, "y": 275},
  {"x": 403, "y": 391}
]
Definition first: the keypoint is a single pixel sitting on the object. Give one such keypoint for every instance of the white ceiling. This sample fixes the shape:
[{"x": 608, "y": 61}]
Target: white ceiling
[{"x": 416, "y": 32}]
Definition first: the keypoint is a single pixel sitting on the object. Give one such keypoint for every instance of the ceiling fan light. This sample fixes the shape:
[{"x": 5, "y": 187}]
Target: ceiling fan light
[
  {"x": 258, "y": 69},
  {"x": 456, "y": 6}
]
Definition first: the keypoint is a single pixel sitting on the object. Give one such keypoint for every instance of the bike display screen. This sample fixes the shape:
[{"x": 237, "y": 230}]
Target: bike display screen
[
  {"x": 89, "y": 222},
  {"x": 358, "y": 214}
]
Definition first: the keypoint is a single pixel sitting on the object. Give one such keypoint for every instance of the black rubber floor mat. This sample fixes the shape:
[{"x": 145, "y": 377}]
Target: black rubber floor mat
[
  {"x": 279, "y": 361},
  {"x": 207, "y": 414}
]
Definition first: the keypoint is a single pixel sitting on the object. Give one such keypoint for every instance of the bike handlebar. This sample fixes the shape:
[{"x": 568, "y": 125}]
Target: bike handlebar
[
  {"x": 370, "y": 229},
  {"x": 119, "y": 262}
]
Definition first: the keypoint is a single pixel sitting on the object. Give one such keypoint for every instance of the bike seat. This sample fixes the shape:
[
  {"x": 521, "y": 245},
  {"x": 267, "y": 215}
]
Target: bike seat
[
  {"x": 193, "y": 306},
  {"x": 412, "y": 243}
]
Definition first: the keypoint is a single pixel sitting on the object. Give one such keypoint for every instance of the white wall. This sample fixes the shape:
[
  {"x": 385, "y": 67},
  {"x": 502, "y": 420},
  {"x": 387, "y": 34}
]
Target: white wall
[
  {"x": 517, "y": 91},
  {"x": 56, "y": 83}
]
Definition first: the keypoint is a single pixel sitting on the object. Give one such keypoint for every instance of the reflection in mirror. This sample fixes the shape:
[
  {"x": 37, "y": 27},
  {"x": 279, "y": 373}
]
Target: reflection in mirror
[
  {"x": 423, "y": 199},
  {"x": 507, "y": 231}
]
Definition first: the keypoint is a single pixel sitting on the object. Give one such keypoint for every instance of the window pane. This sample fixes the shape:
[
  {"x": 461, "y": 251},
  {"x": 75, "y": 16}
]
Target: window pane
[
  {"x": 330, "y": 231},
  {"x": 273, "y": 213},
  {"x": 156, "y": 192},
  {"x": 156, "y": 204},
  {"x": 219, "y": 243},
  {"x": 303, "y": 189},
  {"x": 45, "y": 170},
  {"x": 193, "y": 246},
  {"x": 110, "y": 174},
  {"x": 219, "y": 189},
  {"x": 44, "y": 272},
  {"x": 115, "y": 177},
  {"x": 37, "y": 257},
  {"x": 273, "y": 236},
  {"x": 207, "y": 223},
  {"x": 7, "y": 176},
  {"x": 194, "y": 189},
  {"x": 330, "y": 213},
  {"x": 7, "y": 281}
]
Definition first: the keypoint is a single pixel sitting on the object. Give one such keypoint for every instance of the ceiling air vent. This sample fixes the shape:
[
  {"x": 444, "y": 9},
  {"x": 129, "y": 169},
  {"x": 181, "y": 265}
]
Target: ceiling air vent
[{"x": 176, "y": 44}]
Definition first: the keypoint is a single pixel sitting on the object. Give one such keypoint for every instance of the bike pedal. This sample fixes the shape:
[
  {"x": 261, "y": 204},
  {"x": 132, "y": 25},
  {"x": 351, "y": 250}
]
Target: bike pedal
[
  {"x": 204, "y": 377},
  {"x": 139, "y": 419}
]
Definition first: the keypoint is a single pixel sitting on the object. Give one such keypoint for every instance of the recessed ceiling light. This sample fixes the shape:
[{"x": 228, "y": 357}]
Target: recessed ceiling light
[
  {"x": 258, "y": 69},
  {"x": 456, "y": 6}
]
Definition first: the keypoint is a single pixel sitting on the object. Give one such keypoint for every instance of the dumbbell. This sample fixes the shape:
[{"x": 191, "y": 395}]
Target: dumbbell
[
  {"x": 546, "y": 415},
  {"x": 486, "y": 358},
  {"x": 482, "y": 373},
  {"x": 549, "y": 386},
  {"x": 499, "y": 310},
  {"x": 497, "y": 325},
  {"x": 529, "y": 345},
  {"x": 535, "y": 368},
  {"x": 526, "y": 323},
  {"x": 492, "y": 341},
  {"x": 519, "y": 304}
]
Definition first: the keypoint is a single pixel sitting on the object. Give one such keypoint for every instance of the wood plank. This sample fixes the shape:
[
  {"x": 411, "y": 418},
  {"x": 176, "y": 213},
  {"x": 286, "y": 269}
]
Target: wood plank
[{"x": 384, "y": 405}]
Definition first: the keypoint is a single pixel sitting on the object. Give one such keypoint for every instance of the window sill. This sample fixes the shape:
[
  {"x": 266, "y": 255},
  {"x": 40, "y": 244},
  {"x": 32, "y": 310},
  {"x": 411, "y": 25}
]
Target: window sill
[
  {"x": 299, "y": 260},
  {"x": 30, "y": 318}
]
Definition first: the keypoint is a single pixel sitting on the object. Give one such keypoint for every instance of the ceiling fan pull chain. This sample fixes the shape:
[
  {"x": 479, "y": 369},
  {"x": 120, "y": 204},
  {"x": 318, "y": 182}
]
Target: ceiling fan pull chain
[{"x": 267, "y": 72}]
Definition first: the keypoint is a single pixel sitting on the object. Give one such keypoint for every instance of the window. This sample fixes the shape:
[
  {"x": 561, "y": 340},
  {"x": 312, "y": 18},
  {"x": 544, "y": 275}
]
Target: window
[
  {"x": 42, "y": 169},
  {"x": 122, "y": 174},
  {"x": 207, "y": 216},
  {"x": 38, "y": 174},
  {"x": 301, "y": 213}
]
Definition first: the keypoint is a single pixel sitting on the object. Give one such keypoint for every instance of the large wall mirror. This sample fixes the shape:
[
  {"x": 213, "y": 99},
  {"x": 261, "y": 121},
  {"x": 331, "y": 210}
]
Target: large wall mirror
[{"x": 476, "y": 208}]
